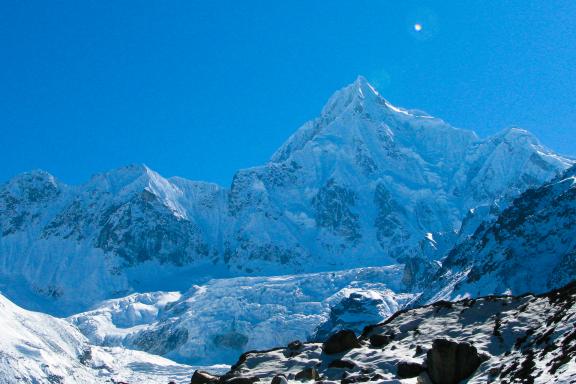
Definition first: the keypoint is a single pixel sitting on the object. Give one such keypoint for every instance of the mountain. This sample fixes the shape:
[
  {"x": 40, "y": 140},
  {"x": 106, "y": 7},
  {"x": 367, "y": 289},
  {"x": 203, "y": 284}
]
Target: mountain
[
  {"x": 365, "y": 184},
  {"x": 503, "y": 339},
  {"x": 38, "y": 348},
  {"x": 529, "y": 247}
]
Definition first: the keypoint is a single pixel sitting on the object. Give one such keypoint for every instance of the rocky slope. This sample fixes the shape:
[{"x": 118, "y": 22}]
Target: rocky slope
[
  {"x": 529, "y": 247},
  {"x": 494, "y": 339},
  {"x": 364, "y": 184}
]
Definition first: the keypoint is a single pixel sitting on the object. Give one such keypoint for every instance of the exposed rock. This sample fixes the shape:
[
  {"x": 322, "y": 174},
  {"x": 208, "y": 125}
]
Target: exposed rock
[
  {"x": 341, "y": 341},
  {"x": 308, "y": 374},
  {"x": 345, "y": 364},
  {"x": 295, "y": 345},
  {"x": 406, "y": 369},
  {"x": 241, "y": 380},
  {"x": 202, "y": 377},
  {"x": 379, "y": 341},
  {"x": 450, "y": 362},
  {"x": 360, "y": 379},
  {"x": 279, "y": 379}
]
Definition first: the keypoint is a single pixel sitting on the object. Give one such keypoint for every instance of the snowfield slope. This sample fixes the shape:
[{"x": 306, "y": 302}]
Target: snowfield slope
[
  {"x": 364, "y": 184},
  {"x": 37, "y": 348},
  {"x": 528, "y": 339}
]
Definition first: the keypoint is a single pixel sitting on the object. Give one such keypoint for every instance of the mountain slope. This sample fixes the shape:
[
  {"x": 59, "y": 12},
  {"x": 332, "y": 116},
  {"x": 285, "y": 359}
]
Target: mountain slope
[
  {"x": 528, "y": 339},
  {"x": 529, "y": 247},
  {"x": 37, "y": 348},
  {"x": 364, "y": 184}
]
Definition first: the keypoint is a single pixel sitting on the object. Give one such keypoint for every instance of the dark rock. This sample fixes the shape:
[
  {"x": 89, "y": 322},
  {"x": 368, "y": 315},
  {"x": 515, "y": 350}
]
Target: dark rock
[
  {"x": 345, "y": 364},
  {"x": 341, "y": 341},
  {"x": 419, "y": 350},
  {"x": 279, "y": 379},
  {"x": 241, "y": 380},
  {"x": 201, "y": 377},
  {"x": 308, "y": 374},
  {"x": 407, "y": 370},
  {"x": 361, "y": 379},
  {"x": 449, "y": 362},
  {"x": 379, "y": 341},
  {"x": 295, "y": 345}
]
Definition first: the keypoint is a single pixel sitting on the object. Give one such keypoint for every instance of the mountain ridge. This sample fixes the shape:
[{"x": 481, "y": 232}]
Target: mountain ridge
[{"x": 365, "y": 184}]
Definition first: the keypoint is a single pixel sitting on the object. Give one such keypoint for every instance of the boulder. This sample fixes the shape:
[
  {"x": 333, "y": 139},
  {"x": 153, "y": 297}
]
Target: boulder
[
  {"x": 379, "y": 341},
  {"x": 295, "y": 345},
  {"x": 341, "y": 341},
  {"x": 449, "y": 362},
  {"x": 308, "y": 374},
  {"x": 361, "y": 379},
  {"x": 241, "y": 380},
  {"x": 279, "y": 379},
  {"x": 344, "y": 364},
  {"x": 407, "y": 370},
  {"x": 201, "y": 377}
]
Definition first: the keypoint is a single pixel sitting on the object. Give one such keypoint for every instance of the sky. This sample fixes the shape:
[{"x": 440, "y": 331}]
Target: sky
[{"x": 202, "y": 88}]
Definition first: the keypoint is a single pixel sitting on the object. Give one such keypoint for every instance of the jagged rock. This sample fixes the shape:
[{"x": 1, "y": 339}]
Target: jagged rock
[
  {"x": 341, "y": 341},
  {"x": 308, "y": 374},
  {"x": 279, "y": 379},
  {"x": 449, "y": 362},
  {"x": 407, "y": 370},
  {"x": 202, "y": 377}
]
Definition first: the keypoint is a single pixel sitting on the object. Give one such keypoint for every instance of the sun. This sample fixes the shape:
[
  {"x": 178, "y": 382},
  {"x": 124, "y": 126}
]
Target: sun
[{"x": 417, "y": 27}]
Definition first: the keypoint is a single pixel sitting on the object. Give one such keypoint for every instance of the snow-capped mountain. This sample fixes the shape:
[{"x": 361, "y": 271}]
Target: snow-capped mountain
[
  {"x": 494, "y": 339},
  {"x": 37, "y": 348},
  {"x": 364, "y": 184},
  {"x": 529, "y": 247}
]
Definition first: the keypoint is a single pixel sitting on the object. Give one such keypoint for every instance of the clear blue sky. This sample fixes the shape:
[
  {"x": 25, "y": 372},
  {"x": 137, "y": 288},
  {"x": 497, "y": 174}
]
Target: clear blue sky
[{"x": 200, "y": 88}]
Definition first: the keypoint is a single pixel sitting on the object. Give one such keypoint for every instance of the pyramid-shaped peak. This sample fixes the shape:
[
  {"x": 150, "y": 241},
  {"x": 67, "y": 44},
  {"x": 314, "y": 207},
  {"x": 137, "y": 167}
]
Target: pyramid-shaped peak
[
  {"x": 362, "y": 86},
  {"x": 360, "y": 91}
]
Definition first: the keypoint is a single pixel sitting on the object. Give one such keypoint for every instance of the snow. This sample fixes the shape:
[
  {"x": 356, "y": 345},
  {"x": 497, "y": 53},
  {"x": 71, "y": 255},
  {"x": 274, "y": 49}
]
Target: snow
[
  {"x": 261, "y": 312},
  {"x": 37, "y": 348}
]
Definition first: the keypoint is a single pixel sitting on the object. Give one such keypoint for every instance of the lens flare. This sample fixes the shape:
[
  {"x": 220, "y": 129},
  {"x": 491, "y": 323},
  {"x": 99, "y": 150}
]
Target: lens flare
[{"x": 417, "y": 27}]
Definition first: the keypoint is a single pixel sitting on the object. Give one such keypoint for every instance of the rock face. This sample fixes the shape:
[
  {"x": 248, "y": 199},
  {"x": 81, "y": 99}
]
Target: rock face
[
  {"x": 527, "y": 338},
  {"x": 341, "y": 341},
  {"x": 450, "y": 362},
  {"x": 364, "y": 184}
]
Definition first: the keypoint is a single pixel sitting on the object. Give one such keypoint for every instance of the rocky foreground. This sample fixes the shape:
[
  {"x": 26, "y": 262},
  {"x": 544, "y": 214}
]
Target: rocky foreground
[{"x": 494, "y": 339}]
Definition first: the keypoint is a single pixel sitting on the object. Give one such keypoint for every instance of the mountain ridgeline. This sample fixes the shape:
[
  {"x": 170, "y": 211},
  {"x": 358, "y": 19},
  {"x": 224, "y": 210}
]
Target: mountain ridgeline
[{"x": 364, "y": 184}]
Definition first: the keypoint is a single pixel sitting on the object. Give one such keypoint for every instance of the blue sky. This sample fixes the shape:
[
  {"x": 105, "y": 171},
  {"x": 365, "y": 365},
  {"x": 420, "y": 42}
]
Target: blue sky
[{"x": 202, "y": 88}]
